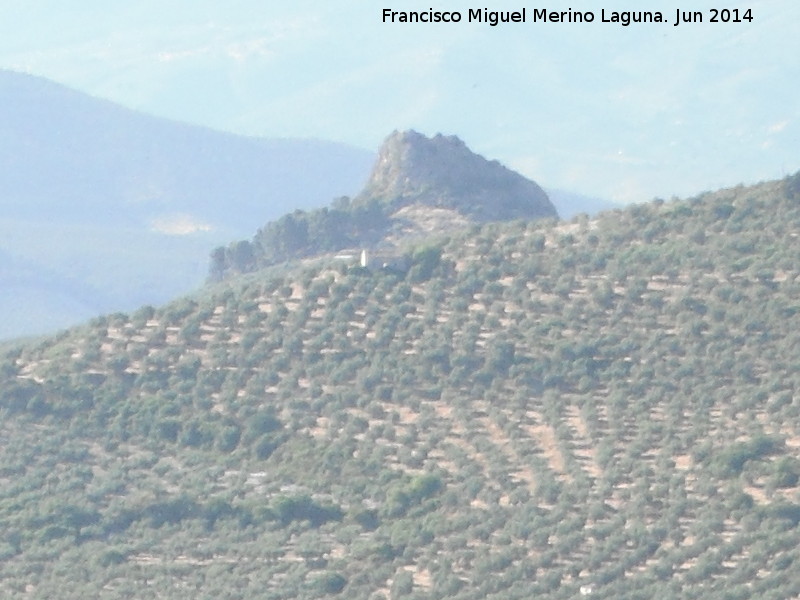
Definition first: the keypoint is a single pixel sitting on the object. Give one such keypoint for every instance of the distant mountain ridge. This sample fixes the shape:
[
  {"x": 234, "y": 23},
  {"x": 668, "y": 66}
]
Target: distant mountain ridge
[
  {"x": 67, "y": 152},
  {"x": 115, "y": 200},
  {"x": 418, "y": 186}
]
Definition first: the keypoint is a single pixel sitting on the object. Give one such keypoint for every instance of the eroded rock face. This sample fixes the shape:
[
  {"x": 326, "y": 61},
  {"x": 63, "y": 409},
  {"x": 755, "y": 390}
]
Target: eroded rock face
[{"x": 442, "y": 172}]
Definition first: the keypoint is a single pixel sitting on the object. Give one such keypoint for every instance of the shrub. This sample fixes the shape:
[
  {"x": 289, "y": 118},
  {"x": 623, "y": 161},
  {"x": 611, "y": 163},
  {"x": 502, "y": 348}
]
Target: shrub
[
  {"x": 330, "y": 583},
  {"x": 303, "y": 508}
]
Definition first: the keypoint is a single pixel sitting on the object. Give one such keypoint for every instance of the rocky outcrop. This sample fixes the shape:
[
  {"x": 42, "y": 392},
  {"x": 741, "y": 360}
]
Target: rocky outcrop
[
  {"x": 442, "y": 172},
  {"x": 419, "y": 187}
]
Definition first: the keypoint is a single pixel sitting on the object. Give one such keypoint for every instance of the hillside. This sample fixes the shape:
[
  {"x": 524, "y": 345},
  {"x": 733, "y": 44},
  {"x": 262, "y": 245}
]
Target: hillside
[
  {"x": 602, "y": 407},
  {"x": 418, "y": 187},
  {"x": 90, "y": 190}
]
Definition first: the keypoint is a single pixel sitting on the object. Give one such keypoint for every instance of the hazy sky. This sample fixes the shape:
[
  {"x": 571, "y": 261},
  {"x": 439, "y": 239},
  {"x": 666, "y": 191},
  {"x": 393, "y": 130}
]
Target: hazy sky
[{"x": 625, "y": 113}]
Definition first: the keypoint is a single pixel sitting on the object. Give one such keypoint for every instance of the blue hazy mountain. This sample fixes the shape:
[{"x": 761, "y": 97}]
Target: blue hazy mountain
[
  {"x": 568, "y": 204},
  {"x": 70, "y": 156},
  {"x": 125, "y": 207}
]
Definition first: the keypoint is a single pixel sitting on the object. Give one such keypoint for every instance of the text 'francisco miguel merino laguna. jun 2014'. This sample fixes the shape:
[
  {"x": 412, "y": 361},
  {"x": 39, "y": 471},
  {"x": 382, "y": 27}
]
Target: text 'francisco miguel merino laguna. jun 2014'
[{"x": 543, "y": 15}]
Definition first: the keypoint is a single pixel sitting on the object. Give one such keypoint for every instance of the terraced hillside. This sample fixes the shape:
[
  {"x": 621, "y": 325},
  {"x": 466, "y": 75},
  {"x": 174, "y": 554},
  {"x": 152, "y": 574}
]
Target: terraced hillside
[{"x": 602, "y": 408}]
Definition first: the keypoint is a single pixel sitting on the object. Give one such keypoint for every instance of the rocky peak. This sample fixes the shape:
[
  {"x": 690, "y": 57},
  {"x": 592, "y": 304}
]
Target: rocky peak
[{"x": 442, "y": 172}]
